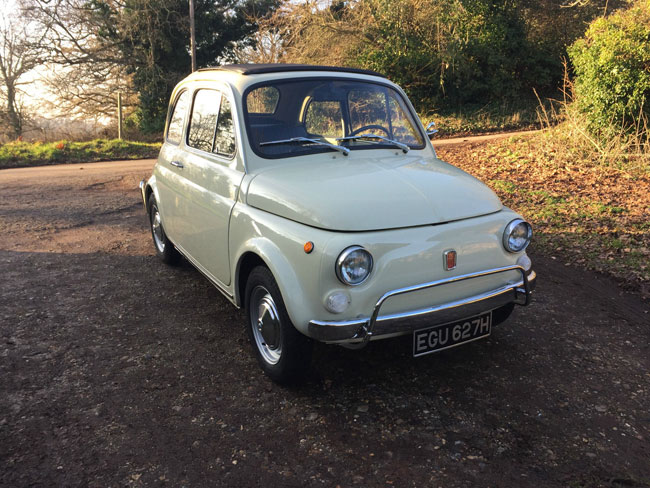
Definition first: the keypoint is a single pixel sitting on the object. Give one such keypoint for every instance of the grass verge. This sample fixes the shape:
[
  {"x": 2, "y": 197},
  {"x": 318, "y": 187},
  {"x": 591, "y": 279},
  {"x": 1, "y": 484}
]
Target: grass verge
[
  {"x": 585, "y": 210},
  {"x": 22, "y": 154}
]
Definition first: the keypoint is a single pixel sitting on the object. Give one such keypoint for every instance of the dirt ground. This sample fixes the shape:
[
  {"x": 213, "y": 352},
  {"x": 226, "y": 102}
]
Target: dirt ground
[{"x": 116, "y": 370}]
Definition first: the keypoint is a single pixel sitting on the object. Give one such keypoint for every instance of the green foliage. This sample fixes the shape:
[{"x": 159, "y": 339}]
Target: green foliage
[
  {"x": 612, "y": 66},
  {"x": 19, "y": 154},
  {"x": 444, "y": 53}
]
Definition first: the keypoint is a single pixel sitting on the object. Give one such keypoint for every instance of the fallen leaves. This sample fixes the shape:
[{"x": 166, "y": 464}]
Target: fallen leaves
[{"x": 591, "y": 214}]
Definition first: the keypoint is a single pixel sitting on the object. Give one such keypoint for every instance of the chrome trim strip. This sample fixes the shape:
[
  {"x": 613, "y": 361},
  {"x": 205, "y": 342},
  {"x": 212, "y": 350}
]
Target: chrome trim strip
[{"x": 363, "y": 329}]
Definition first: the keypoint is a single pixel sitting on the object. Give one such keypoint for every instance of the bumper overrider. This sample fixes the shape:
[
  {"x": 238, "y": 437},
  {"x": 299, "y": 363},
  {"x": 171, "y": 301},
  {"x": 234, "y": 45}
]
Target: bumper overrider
[
  {"x": 362, "y": 330},
  {"x": 142, "y": 187}
]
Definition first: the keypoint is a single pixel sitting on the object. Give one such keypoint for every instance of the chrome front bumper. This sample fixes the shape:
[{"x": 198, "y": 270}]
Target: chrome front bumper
[{"x": 377, "y": 326}]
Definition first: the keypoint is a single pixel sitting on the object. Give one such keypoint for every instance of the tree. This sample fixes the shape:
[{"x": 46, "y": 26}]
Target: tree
[
  {"x": 84, "y": 73},
  {"x": 141, "y": 45},
  {"x": 153, "y": 36},
  {"x": 440, "y": 51},
  {"x": 20, "y": 53}
]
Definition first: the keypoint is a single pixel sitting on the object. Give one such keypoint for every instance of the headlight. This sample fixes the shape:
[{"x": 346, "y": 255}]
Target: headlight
[
  {"x": 517, "y": 235},
  {"x": 353, "y": 265}
]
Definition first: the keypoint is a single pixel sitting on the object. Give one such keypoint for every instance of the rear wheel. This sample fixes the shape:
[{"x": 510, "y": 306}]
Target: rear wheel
[
  {"x": 164, "y": 247},
  {"x": 283, "y": 353}
]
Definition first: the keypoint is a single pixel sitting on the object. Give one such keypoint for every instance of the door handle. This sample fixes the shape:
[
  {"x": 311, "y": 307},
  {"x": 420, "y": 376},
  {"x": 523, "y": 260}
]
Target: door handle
[{"x": 178, "y": 164}]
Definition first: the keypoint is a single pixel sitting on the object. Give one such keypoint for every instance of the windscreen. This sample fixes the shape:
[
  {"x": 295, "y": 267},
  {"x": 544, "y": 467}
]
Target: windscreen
[{"x": 306, "y": 116}]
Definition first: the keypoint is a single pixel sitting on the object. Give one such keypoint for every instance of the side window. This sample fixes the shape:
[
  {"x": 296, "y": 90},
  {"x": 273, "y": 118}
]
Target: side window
[
  {"x": 224, "y": 141},
  {"x": 175, "y": 130},
  {"x": 263, "y": 100},
  {"x": 367, "y": 107},
  {"x": 204, "y": 119},
  {"x": 403, "y": 128},
  {"x": 324, "y": 118}
]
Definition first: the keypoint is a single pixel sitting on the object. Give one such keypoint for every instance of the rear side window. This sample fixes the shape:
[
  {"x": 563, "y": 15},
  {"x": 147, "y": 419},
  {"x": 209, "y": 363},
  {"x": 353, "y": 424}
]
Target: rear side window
[
  {"x": 324, "y": 118},
  {"x": 204, "y": 119},
  {"x": 263, "y": 100},
  {"x": 175, "y": 130}
]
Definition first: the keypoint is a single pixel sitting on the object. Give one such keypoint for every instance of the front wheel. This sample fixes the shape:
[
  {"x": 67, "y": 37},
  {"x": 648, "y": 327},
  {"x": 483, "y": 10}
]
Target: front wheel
[{"x": 283, "y": 353}]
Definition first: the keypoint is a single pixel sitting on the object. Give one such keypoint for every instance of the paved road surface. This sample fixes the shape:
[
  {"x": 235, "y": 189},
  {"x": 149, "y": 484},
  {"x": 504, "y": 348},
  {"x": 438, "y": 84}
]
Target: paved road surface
[{"x": 116, "y": 370}]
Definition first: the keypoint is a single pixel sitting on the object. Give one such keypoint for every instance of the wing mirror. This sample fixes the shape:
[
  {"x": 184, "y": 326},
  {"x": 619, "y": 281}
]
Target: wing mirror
[{"x": 431, "y": 130}]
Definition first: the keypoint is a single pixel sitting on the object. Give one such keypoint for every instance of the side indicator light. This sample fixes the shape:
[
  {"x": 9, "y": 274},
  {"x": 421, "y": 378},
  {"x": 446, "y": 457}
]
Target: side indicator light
[
  {"x": 449, "y": 259},
  {"x": 308, "y": 247}
]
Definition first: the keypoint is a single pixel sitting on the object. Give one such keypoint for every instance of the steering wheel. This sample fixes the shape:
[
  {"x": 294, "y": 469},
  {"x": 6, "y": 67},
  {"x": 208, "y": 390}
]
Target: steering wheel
[{"x": 367, "y": 127}]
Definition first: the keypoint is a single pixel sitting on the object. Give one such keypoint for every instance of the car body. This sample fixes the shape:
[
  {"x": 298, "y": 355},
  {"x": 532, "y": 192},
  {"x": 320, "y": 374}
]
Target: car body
[{"x": 312, "y": 196}]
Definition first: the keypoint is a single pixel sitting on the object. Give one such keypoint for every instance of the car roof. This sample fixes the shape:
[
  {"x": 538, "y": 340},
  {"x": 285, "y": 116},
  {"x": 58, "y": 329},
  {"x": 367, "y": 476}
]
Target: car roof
[{"x": 254, "y": 69}]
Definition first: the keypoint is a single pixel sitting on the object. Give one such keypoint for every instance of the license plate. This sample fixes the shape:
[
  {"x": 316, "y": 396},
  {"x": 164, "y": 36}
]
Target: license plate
[{"x": 440, "y": 337}]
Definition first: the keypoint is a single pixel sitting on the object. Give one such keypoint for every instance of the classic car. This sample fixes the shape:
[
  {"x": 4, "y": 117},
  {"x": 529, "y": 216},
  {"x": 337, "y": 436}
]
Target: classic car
[{"x": 312, "y": 197}]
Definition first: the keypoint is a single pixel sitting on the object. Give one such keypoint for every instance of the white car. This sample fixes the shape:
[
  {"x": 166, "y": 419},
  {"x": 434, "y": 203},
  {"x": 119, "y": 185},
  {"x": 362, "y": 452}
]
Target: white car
[{"x": 312, "y": 197}]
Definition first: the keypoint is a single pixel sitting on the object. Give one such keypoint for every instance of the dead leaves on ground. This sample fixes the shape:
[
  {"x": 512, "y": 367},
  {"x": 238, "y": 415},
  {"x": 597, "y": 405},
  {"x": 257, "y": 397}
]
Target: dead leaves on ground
[{"x": 583, "y": 212}]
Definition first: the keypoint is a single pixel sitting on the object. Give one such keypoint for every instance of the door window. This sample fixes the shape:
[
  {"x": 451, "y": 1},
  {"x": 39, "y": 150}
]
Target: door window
[
  {"x": 175, "y": 130},
  {"x": 204, "y": 119}
]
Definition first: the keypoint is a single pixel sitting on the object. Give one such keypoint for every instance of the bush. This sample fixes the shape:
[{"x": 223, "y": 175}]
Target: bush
[{"x": 612, "y": 72}]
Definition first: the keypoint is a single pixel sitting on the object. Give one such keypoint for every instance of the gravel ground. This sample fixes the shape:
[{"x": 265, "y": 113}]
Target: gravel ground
[{"x": 117, "y": 370}]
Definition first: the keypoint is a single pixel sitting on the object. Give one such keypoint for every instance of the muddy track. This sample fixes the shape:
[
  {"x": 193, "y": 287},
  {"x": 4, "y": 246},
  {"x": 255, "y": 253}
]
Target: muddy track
[{"x": 117, "y": 370}]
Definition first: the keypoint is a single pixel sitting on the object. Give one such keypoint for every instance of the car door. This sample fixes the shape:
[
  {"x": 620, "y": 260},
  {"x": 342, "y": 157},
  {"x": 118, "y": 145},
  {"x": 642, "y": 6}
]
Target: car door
[
  {"x": 215, "y": 171},
  {"x": 170, "y": 177}
]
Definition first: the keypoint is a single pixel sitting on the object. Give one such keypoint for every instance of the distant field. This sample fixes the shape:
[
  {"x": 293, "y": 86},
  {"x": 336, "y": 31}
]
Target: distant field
[{"x": 22, "y": 154}]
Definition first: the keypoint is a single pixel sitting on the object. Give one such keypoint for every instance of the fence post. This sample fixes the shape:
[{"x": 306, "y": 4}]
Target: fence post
[{"x": 119, "y": 115}]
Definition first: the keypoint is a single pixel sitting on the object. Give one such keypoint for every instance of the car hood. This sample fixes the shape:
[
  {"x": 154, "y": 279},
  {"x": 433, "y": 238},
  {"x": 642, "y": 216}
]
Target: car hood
[{"x": 362, "y": 194}]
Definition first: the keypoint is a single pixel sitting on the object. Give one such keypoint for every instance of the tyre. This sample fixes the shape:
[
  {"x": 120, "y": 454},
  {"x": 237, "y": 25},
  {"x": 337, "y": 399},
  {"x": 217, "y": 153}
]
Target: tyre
[
  {"x": 283, "y": 353},
  {"x": 164, "y": 247}
]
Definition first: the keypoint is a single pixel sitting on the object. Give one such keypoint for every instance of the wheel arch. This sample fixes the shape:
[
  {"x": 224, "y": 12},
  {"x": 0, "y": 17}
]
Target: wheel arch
[
  {"x": 261, "y": 251},
  {"x": 150, "y": 189},
  {"x": 247, "y": 262},
  {"x": 147, "y": 194}
]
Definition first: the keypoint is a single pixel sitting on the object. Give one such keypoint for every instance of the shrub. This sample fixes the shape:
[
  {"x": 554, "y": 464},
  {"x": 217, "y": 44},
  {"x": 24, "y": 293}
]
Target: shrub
[{"x": 612, "y": 72}]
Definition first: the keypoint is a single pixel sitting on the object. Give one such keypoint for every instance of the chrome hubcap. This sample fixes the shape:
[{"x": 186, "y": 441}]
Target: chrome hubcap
[
  {"x": 265, "y": 324},
  {"x": 156, "y": 227}
]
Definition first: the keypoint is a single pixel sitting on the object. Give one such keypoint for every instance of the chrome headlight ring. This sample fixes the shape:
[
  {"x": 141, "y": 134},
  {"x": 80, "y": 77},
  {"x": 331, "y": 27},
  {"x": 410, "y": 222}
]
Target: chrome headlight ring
[
  {"x": 517, "y": 235},
  {"x": 353, "y": 266}
]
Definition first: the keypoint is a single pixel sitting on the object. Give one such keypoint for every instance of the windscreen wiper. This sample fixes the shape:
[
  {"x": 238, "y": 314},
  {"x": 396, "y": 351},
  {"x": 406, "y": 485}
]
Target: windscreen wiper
[
  {"x": 342, "y": 149},
  {"x": 401, "y": 145}
]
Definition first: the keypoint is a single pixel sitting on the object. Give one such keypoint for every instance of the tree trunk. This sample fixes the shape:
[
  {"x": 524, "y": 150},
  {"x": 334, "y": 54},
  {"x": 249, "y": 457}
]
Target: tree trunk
[{"x": 13, "y": 116}]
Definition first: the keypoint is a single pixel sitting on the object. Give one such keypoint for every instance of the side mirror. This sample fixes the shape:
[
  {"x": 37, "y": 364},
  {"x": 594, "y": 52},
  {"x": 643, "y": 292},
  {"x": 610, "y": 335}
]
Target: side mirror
[{"x": 431, "y": 131}]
